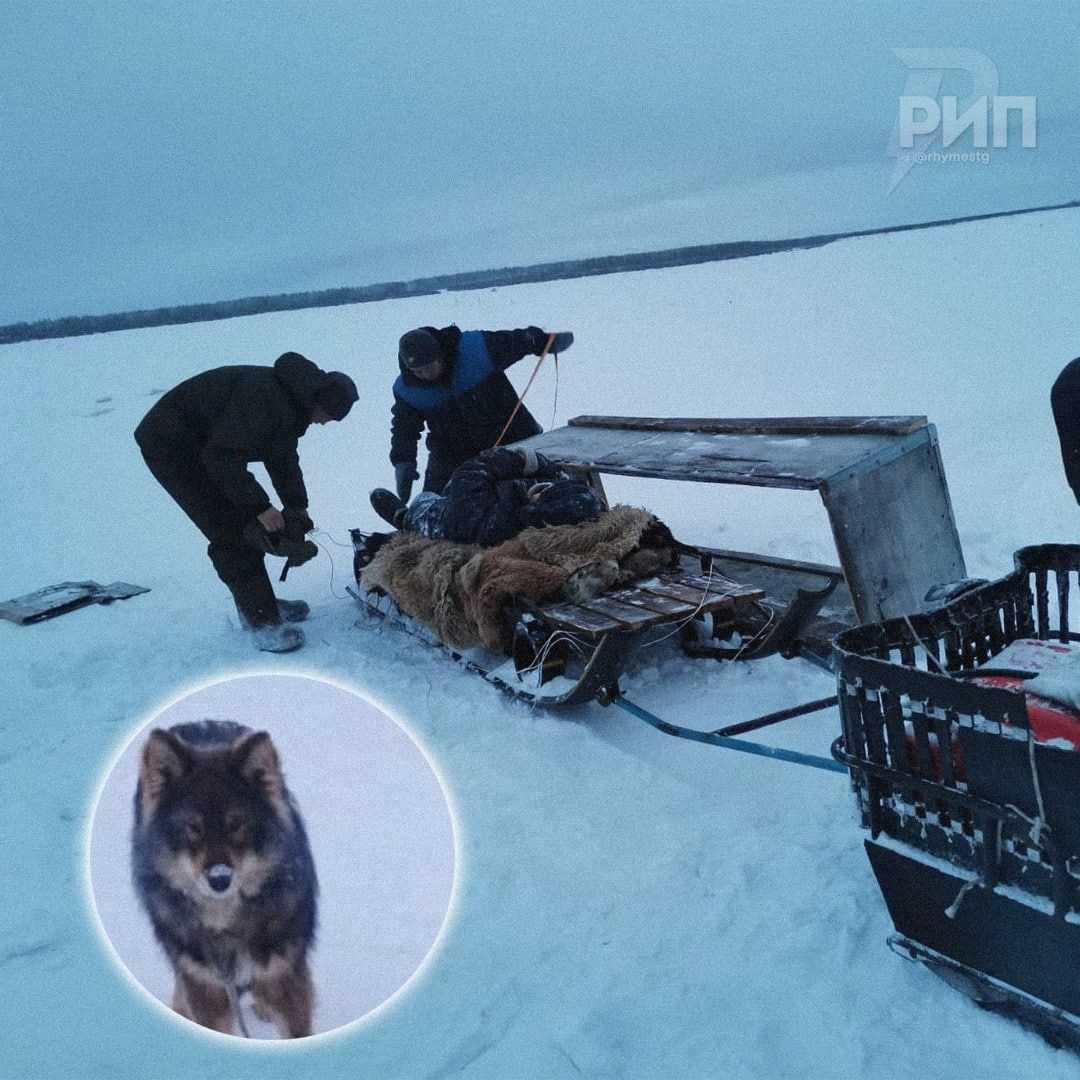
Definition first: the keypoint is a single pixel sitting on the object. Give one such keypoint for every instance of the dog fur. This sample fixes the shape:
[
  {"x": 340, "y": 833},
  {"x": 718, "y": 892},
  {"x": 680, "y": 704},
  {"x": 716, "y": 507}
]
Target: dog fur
[{"x": 222, "y": 865}]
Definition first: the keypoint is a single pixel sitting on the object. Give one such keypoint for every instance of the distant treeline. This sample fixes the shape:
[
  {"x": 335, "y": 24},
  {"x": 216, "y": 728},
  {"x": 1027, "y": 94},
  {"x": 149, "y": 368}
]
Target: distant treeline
[{"x": 75, "y": 325}]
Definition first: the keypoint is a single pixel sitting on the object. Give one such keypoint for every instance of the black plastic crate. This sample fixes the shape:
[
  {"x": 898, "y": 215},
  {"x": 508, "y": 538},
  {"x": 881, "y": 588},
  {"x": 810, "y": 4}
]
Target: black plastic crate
[{"x": 974, "y": 826}]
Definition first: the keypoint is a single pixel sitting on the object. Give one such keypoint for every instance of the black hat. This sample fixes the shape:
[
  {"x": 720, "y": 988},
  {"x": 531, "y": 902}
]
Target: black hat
[
  {"x": 337, "y": 394},
  {"x": 419, "y": 347},
  {"x": 567, "y": 502}
]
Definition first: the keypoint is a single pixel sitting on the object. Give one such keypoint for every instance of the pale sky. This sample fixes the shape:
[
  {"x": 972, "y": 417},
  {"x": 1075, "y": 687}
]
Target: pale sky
[{"x": 160, "y": 153}]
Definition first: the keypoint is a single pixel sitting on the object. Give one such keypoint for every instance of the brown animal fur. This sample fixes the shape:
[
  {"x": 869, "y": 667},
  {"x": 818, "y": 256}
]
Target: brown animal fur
[{"x": 461, "y": 591}]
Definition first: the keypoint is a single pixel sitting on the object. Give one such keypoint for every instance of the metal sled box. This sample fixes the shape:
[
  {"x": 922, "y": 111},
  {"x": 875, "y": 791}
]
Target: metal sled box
[{"x": 975, "y": 839}]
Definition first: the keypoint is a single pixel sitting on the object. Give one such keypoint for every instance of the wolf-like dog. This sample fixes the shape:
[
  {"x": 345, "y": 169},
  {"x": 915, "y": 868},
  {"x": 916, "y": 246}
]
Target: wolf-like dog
[{"x": 222, "y": 865}]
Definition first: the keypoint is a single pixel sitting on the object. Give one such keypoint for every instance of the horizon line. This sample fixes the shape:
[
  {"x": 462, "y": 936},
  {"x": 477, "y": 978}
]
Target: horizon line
[{"x": 466, "y": 281}]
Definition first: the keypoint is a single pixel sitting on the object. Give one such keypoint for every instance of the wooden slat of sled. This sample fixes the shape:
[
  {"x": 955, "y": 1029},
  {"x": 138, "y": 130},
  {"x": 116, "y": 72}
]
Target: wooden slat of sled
[
  {"x": 698, "y": 594},
  {"x": 715, "y": 582},
  {"x": 665, "y": 605},
  {"x": 595, "y": 622},
  {"x": 641, "y": 606},
  {"x": 579, "y": 619},
  {"x": 631, "y": 616}
]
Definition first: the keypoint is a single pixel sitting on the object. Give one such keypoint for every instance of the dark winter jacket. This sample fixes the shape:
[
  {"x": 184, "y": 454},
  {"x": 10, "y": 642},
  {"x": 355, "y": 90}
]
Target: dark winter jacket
[
  {"x": 466, "y": 410},
  {"x": 487, "y": 500},
  {"x": 1065, "y": 402},
  {"x": 230, "y": 416}
]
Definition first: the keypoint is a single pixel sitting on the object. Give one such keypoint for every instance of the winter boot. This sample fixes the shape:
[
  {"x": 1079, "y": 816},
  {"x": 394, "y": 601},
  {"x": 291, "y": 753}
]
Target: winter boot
[
  {"x": 388, "y": 506},
  {"x": 261, "y": 615},
  {"x": 277, "y": 638},
  {"x": 293, "y": 610}
]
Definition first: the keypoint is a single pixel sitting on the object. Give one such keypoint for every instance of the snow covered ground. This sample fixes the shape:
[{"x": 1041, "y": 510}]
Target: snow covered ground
[{"x": 628, "y": 905}]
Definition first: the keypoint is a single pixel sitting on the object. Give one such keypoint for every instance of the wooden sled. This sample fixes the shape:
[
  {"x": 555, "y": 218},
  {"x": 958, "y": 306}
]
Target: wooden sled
[
  {"x": 570, "y": 653},
  {"x": 883, "y": 488}
]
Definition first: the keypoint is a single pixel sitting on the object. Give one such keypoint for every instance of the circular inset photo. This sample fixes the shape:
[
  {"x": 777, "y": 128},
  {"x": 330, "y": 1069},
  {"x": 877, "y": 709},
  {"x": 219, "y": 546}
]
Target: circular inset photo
[{"x": 272, "y": 856}]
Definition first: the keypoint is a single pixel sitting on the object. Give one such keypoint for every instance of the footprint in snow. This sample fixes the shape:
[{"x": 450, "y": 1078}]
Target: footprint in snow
[{"x": 99, "y": 412}]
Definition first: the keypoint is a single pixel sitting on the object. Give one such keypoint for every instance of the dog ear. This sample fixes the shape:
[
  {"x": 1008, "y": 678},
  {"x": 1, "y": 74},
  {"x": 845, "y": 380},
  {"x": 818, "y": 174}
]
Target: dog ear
[
  {"x": 258, "y": 762},
  {"x": 164, "y": 760}
]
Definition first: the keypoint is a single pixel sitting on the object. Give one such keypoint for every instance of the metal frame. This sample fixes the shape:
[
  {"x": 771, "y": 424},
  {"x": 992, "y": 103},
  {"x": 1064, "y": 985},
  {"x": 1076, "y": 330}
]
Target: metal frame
[{"x": 880, "y": 479}]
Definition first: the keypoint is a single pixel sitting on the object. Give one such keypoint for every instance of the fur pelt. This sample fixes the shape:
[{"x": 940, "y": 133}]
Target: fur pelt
[{"x": 462, "y": 591}]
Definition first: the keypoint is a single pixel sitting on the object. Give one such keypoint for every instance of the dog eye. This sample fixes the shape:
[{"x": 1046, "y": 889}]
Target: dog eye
[{"x": 193, "y": 830}]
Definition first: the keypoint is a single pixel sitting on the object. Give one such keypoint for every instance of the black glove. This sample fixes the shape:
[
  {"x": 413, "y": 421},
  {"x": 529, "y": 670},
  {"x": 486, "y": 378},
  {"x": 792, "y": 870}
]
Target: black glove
[
  {"x": 297, "y": 523},
  {"x": 296, "y": 552},
  {"x": 289, "y": 544},
  {"x": 562, "y": 342},
  {"x": 404, "y": 475},
  {"x": 260, "y": 539}
]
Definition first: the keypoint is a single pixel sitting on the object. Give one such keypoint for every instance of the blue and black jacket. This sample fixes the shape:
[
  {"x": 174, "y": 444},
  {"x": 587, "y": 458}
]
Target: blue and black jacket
[
  {"x": 487, "y": 501},
  {"x": 466, "y": 410}
]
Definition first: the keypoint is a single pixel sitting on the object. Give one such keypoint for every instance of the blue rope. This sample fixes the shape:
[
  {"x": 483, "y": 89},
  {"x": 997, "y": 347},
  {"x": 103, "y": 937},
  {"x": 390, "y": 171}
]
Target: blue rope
[{"x": 728, "y": 743}]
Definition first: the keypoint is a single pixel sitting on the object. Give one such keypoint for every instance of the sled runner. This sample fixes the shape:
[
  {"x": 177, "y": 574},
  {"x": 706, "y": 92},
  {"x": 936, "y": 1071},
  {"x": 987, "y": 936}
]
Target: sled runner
[{"x": 967, "y": 780}]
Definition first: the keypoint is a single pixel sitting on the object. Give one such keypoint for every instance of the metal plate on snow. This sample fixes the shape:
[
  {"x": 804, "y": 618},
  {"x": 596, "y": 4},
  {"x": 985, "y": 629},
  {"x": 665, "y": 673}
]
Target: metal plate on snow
[{"x": 67, "y": 596}]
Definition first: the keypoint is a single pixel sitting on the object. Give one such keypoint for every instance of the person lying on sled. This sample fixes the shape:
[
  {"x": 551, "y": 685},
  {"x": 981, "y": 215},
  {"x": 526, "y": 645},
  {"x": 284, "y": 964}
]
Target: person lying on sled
[
  {"x": 491, "y": 499},
  {"x": 453, "y": 382}
]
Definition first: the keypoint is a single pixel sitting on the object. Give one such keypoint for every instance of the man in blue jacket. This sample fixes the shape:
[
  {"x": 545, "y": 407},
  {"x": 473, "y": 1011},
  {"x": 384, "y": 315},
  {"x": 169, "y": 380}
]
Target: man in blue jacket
[{"x": 454, "y": 383}]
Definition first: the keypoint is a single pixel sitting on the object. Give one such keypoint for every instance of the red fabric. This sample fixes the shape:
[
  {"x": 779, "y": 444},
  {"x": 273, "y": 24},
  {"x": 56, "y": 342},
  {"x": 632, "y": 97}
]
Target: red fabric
[{"x": 1049, "y": 719}]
